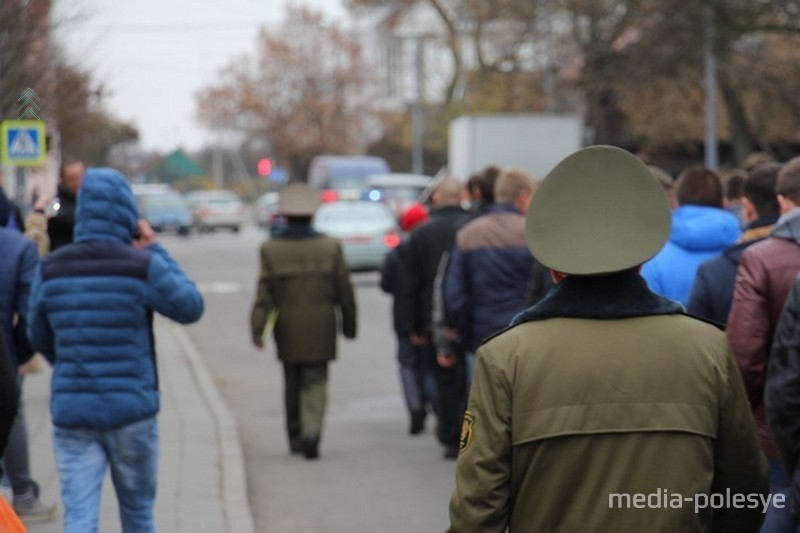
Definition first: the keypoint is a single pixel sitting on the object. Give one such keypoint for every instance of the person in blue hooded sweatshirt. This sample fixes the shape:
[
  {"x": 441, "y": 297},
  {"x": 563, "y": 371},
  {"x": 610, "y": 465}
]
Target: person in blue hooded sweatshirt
[
  {"x": 90, "y": 315},
  {"x": 701, "y": 229}
]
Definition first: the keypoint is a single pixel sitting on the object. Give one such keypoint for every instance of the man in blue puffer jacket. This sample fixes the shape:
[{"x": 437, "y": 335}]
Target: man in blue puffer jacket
[
  {"x": 701, "y": 229},
  {"x": 90, "y": 315}
]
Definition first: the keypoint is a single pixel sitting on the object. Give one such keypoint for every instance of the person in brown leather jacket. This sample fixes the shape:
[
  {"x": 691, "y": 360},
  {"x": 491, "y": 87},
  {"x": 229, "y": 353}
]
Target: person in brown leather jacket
[{"x": 765, "y": 275}]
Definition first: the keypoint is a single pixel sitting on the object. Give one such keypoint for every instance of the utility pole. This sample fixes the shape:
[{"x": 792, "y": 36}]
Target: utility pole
[
  {"x": 417, "y": 117},
  {"x": 710, "y": 84},
  {"x": 217, "y": 162}
]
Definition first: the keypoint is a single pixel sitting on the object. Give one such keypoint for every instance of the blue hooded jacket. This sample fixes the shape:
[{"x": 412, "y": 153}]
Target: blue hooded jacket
[
  {"x": 91, "y": 309},
  {"x": 17, "y": 264},
  {"x": 698, "y": 233}
]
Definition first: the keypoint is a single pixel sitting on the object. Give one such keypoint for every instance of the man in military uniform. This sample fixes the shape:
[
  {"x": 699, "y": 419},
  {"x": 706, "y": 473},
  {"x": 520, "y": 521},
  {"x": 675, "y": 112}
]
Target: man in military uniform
[
  {"x": 303, "y": 282},
  {"x": 604, "y": 407}
]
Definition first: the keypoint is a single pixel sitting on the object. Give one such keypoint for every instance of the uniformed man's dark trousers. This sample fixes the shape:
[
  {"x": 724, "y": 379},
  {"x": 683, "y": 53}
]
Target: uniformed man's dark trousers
[{"x": 305, "y": 394}]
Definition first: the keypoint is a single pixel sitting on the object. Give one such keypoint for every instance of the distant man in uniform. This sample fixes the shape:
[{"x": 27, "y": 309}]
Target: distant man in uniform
[
  {"x": 304, "y": 280},
  {"x": 604, "y": 390}
]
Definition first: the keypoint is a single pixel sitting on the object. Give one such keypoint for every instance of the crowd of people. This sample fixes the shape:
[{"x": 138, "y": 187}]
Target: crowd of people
[
  {"x": 606, "y": 332},
  {"x": 691, "y": 404}
]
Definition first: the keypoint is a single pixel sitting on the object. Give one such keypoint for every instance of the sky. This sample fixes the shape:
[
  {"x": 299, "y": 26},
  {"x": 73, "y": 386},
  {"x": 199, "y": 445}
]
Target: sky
[{"x": 154, "y": 55}]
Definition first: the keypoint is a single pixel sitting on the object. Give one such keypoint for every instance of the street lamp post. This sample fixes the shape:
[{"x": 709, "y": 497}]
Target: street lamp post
[
  {"x": 710, "y": 85},
  {"x": 417, "y": 115}
]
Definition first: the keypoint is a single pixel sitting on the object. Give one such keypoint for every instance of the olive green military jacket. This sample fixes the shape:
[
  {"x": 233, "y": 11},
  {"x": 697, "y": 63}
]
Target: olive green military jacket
[
  {"x": 307, "y": 281},
  {"x": 579, "y": 424}
]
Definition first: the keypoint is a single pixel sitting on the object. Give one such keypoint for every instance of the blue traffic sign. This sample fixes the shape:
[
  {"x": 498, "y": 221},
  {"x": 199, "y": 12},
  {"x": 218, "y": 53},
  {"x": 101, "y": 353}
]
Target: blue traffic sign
[
  {"x": 22, "y": 143},
  {"x": 278, "y": 175}
]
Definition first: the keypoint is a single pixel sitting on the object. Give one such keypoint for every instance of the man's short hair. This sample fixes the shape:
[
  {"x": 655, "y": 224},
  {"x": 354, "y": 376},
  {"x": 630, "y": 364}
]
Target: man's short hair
[
  {"x": 699, "y": 185},
  {"x": 510, "y": 183},
  {"x": 486, "y": 180},
  {"x": 733, "y": 183},
  {"x": 448, "y": 191},
  {"x": 473, "y": 183},
  {"x": 788, "y": 183},
  {"x": 759, "y": 188},
  {"x": 68, "y": 161},
  {"x": 754, "y": 159}
]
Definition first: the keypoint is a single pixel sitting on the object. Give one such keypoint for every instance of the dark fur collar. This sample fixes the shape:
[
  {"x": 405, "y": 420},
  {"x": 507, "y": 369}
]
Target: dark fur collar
[
  {"x": 296, "y": 231},
  {"x": 618, "y": 295}
]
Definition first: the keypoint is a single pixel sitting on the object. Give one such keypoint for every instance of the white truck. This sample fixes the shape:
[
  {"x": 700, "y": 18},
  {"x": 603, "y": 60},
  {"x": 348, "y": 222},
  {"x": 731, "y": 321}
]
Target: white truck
[{"x": 533, "y": 142}]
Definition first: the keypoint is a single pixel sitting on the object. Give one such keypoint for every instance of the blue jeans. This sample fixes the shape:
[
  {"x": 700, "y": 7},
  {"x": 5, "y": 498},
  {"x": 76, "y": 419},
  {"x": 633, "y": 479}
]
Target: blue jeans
[
  {"x": 469, "y": 358},
  {"x": 779, "y": 520},
  {"x": 418, "y": 370},
  {"x": 82, "y": 456}
]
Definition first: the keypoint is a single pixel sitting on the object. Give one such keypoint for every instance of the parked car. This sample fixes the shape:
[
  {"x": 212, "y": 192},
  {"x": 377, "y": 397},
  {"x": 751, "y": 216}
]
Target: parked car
[
  {"x": 397, "y": 190},
  {"x": 266, "y": 210},
  {"x": 165, "y": 210},
  {"x": 216, "y": 209},
  {"x": 367, "y": 230}
]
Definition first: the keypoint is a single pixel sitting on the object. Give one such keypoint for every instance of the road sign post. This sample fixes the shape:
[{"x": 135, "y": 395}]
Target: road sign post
[{"x": 22, "y": 143}]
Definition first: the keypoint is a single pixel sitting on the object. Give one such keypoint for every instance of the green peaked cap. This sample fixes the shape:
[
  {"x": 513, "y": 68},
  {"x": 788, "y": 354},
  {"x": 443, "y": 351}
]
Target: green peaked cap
[{"x": 598, "y": 211}]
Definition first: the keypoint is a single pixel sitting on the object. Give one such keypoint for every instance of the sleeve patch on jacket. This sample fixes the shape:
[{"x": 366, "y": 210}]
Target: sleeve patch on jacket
[{"x": 466, "y": 432}]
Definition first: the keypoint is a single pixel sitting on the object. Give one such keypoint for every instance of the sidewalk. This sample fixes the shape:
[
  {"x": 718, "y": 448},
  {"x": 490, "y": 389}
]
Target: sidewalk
[{"x": 201, "y": 486}]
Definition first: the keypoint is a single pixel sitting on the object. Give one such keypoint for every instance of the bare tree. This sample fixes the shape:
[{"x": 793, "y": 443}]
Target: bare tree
[
  {"x": 300, "y": 92},
  {"x": 23, "y": 44}
]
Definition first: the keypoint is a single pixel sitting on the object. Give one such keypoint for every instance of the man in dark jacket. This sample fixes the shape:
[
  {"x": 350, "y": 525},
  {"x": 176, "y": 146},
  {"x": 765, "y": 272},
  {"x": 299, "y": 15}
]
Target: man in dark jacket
[
  {"x": 782, "y": 395},
  {"x": 712, "y": 292},
  {"x": 61, "y": 224},
  {"x": 419, "y": 385},
  {"x": 427, "y": 244},
  {"x": 91, "y": 312},
  {"x": 765, "y": 275},
  {"x": 302, "y": 286},
  {"x": 489, "y": 263}
]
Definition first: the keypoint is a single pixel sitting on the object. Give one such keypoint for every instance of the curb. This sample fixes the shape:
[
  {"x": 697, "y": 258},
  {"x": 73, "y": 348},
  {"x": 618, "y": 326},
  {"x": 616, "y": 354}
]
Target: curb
[{"x": 233, "y": 488}]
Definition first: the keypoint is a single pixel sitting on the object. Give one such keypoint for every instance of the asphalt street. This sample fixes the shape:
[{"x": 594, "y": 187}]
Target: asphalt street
[{"x": 372, "y": 476}]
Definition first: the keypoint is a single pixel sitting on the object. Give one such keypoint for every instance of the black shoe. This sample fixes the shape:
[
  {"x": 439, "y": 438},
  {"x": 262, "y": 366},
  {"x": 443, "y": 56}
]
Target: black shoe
[
  {"x": 451, "y": 452},
  {"x": 311, "y": 448},
  {"x": 417, "y": 421},
  {"x": 296, "y": 447}
]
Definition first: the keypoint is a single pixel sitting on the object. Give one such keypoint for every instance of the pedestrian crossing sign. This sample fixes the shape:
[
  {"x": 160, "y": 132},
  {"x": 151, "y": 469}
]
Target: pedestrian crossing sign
[{"x": 22, "y": 143}]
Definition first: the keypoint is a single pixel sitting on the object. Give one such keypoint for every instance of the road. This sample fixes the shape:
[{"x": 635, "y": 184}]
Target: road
[{"x": 372, "y": 475}]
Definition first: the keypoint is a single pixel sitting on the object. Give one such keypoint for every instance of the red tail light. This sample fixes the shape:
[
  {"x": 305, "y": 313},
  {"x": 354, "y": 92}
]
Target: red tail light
[
  {"x": 329, "y": 195},
  {"x": 391, "y": 239}
]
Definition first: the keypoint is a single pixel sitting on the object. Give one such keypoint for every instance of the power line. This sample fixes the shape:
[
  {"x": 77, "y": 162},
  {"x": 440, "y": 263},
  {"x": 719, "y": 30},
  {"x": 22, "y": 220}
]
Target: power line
[{"x": 172, "y": 28}]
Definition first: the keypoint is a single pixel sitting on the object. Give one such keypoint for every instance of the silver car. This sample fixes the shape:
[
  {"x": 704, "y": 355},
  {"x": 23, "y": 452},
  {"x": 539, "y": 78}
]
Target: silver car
[
  {"x": 367, "y": 230},
  {"x": 216, "y": 209}
]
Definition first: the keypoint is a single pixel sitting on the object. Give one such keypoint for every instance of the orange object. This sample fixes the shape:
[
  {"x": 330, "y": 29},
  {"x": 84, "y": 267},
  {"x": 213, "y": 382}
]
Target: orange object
[{"x": 9, "y": 521}]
